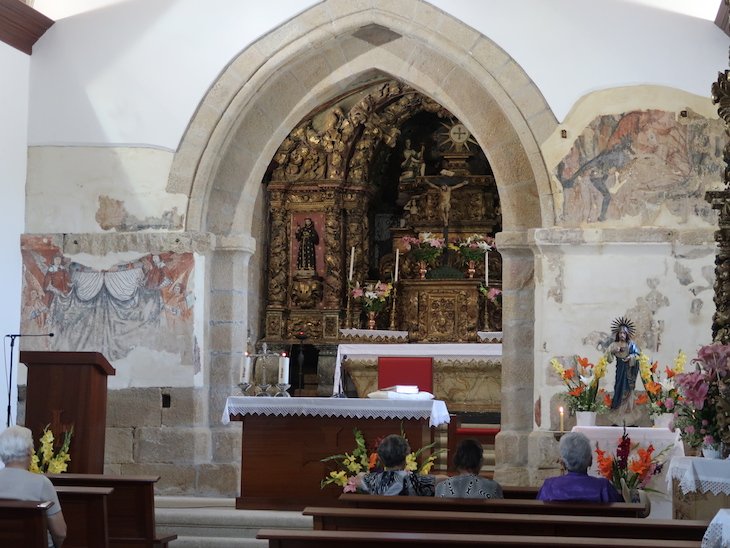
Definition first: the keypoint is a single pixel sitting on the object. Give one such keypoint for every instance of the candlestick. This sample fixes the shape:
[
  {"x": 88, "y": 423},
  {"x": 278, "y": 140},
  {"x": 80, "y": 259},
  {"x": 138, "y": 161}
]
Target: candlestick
[
  {"x": 283, "y": 369},
  {"x": 247, "y": 368},
  {"x": 352, "y": 263},
  {"x": 397, "y": 256},
  {"x": 562, "y": 419},
  {"x": 486, "y": 269}
]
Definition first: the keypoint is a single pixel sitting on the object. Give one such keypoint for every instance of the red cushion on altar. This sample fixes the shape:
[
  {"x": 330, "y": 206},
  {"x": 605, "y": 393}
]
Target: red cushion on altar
[{"x": 394, "y": 370}]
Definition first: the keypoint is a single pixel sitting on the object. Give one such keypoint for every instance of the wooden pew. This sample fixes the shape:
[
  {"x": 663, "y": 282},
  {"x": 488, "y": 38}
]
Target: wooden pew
[
  {"x": 510, "y": 506},
  {"x": 24, "y": 523},
  {"x": 85, "y": 510},
  {"x": 130, "y": 507},
  {"x": 427, "y": 521},
  {"x": 520, "y": 492},
  {"x": 301, "y": 538}
]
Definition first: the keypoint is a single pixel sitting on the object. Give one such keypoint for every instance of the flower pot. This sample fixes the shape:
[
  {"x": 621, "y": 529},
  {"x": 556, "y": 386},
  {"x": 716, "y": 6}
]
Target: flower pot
[
  {"x": 471, "y": 269},
  {"x": 371, "y": 319},
  {"x": 663, "y": 420},
  {"x": 710, "y": 452},
  {"x": 585, "y": 418},
  {"x": 422, "y": 269}
]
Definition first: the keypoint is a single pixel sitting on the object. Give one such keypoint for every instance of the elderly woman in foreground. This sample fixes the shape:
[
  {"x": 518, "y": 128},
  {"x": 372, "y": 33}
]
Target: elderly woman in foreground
[
  {"x": 468, "y": 461},
  {"x": 17, "y": 483},
  {"x": 576, "y": 484}
]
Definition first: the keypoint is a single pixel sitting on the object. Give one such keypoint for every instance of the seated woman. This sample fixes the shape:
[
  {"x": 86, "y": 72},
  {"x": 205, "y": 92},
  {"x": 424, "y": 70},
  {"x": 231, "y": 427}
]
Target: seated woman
[
  {"x": 468, "y": 460},
  {"x": 17, "y": 483},
  {"x": 577, "y": 457},
  {"x": 395, "y": 479}
]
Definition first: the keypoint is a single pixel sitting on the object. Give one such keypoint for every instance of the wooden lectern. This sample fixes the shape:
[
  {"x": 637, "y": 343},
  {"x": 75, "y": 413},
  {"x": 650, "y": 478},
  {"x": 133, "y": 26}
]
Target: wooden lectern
[{"x": 69, "y": 389}]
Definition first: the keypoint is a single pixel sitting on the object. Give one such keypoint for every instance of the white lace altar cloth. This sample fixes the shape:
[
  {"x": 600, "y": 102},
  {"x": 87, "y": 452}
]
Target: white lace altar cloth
[
  {"x": 352, "y": 408},
  {"x": 468, "y": 350},
  {"x": 718, "y": 532},
  {"x": 699, "y": 474}
]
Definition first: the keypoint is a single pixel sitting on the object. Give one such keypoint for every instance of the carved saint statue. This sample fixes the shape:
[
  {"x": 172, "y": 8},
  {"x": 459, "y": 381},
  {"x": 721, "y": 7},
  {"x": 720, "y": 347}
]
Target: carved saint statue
[
  {"x": 445, "y": 198},
  {"x": 413, "y": 163},
  {"x": 308, "y": 238},
  {"x": 626, "y": 353}
]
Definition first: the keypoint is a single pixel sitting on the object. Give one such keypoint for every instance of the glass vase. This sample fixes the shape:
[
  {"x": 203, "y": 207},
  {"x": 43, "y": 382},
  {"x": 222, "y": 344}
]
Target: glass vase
[
  {"x": 663, "y": 420},
  {"x": 585, "y": 418}
]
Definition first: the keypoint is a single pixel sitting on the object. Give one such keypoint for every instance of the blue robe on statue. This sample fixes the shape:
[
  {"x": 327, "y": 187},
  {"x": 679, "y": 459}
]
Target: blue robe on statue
[{"x": 625, "y": 376}]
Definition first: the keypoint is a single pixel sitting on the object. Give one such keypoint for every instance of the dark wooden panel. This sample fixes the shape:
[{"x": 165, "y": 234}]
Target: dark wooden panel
[
  {"x": 21, "y": 26},
  {"x": 23, "y": 523},
  {"x": 86, "y": 514}
]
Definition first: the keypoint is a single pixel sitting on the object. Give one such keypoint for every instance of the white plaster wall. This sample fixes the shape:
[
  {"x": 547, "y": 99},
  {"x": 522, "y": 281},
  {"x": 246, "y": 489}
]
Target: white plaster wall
[
  {"x": 13, "y": 136},
  {"x": 151, "y": 63}
]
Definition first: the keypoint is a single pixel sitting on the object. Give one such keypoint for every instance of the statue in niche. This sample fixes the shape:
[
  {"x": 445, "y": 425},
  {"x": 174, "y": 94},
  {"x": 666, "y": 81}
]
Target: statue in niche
[
  {"x": 308, "y": 238},
  {"x": 445, "y": 198},
  {"x": 413, "y": 163},
  {"x": 626, "y": 353}
]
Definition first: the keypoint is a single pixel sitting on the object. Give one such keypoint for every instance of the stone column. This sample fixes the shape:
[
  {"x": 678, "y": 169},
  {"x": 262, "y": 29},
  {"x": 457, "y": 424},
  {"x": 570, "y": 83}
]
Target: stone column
[{"x": 518, "y": 317}]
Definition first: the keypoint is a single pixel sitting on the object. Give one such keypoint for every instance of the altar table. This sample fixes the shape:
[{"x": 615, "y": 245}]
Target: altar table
[
  {"x": 662, "y": 439},
  {"x": 700, "y": 486},
  {"x": 718, "y": 532},
  {"x": 284, "y": 440}
]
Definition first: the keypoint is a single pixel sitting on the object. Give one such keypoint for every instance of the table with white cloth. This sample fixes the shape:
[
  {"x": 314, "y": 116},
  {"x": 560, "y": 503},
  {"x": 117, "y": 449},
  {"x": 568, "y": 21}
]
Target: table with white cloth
[
  {"x": 665, "y": 442},
  {"x": 718, "y": 532},
  {"x": 700, "y": 487},
  {"x": 285, "y": 439},
  {"x": 467, "y": 376}
]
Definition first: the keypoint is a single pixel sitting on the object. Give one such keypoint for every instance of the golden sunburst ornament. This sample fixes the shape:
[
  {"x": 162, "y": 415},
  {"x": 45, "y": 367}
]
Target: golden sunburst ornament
[{"x": 455, "y": 137}]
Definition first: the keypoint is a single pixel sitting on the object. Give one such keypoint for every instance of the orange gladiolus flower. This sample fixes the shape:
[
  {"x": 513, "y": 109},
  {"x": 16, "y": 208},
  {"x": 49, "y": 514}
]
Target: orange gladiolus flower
[
  {"x": 654, "y": 366},
  {"x": 373, "y": 461},
  {"x": 577, "y": 391},
  {"x": 605, "y": 464},
  {"x": 568, "y": 374},
  {"x": 583, "y": 362},
  {"x": 670, "y": 372},
  {"x": 642, "y": 398},
  {"x": 607, "y": 399},
  {"x": 653, "y": 387},
  {"x": 642, "y": 465}
]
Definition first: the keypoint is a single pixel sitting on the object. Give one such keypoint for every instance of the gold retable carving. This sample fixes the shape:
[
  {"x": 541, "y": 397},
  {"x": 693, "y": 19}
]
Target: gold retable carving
[{"x": 464, "y": 384}]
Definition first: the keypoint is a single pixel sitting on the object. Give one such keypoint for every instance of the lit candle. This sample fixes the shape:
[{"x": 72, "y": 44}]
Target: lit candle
[
  {"x": 486, "y": 268},
  {"x": 283, "y": 369},
  {"x": 562, "y": 419},
  {"x": 352, "y": 263},
  {"x": 247, "y": 368},
  {"x": 397, "y": 256}
]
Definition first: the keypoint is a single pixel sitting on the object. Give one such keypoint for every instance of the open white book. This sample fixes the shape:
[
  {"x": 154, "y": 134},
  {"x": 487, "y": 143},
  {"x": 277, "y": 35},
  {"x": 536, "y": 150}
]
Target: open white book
[{"x": 402, "y": 389}]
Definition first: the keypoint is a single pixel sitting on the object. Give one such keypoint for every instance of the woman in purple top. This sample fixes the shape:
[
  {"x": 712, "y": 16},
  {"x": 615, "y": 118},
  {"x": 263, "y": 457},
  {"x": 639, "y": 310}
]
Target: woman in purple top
[{"x": 576, "y": 484}]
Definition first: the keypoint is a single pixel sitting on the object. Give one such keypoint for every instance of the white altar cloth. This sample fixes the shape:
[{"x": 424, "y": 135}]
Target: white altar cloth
[
  {"x": 469, "y": 350},
  {"x": 354, "y": 408},
  {"x": 718, "y": 532},
  {"x": 701, "y": 475},
  {"x": 662, "y": 439}
]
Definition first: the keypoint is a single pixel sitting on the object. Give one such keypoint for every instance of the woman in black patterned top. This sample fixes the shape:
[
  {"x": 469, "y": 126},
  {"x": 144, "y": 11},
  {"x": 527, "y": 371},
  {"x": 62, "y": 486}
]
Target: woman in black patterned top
[
  {"x": 395, "y": 479},
  {"x": 468, "y": 484}
]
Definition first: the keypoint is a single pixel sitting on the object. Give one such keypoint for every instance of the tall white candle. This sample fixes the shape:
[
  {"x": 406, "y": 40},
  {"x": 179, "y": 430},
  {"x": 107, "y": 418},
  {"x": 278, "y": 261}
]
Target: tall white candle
[
  {"x": 397, "y": 256},
  {"x": 247, "y": 368},
  {"x": 562, "y": 419},
  {"x": 352, "y": 263},
  {"x": 486, "y": 268},
  {"x": 283, "y": 369}
]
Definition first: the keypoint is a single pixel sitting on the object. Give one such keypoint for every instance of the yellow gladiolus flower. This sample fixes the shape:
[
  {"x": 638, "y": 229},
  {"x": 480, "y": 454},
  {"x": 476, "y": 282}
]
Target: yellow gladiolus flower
[
  {"x": 411, "y": 464},
  {"x": 600, "y": 369},
  {"x": 679, "y": 362}
]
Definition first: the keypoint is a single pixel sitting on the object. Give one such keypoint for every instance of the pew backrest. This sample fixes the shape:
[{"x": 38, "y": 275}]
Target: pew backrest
[
  {"x": 431, "y": 521},
  {"x": 86, "y": 512},
  {"x": 301, "y": 538},
  {"x": 24, "y": 523},
  {"x": 512, "y": 506}
]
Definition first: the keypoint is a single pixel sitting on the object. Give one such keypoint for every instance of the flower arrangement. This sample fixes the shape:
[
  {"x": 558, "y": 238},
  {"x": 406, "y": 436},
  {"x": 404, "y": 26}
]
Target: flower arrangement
[
  {"x": 44, "y": 460},
  {"x": 632, "y": 465},
  {"x": 493, "y": 294},
  {"x": 364, "y": 459},
  {"x": 424, "y": 248},
  {"x": 582, "y": 381},
  {"x": 373, "y": 295},
  {"x": 474, "y": 248},
  {"x": 699, "y": 413},
  {"x": 661, "y": 394}
]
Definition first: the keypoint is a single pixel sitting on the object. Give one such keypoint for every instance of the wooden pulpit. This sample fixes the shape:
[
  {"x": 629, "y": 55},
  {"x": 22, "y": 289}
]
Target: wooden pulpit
[{"x": 68, "y": 389}]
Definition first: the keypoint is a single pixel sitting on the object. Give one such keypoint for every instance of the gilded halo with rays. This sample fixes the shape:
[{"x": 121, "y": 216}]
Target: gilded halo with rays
[
  {"x": 623, "y": 323},
  {"x": 455, "y": 137}
]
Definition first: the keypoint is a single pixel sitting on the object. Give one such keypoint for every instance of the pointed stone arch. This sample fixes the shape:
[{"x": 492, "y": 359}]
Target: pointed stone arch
[{"x": 310, "y": 59}]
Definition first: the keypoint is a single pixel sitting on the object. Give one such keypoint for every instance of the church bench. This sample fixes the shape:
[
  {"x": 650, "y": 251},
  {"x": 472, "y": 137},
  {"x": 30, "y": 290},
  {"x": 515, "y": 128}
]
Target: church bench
[
  {"x": 85, "y": 510},
  {"x": 427, "y": 521},
  {"x": 24, "y": 523},
  {"x": 512, "y": 506},
  {"x": 130, "y": 507},
  {"x": 306, "y": 538},
  {"x": 520, "y": 492}
]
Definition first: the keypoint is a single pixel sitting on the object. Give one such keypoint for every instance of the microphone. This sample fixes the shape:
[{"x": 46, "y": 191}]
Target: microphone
[{"x": 14, "y": 335}]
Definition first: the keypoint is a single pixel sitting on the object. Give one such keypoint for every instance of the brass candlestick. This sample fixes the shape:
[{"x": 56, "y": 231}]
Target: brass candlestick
[
  {"x": 392, "y": 308},
  {"x": 348, "y": 319},
  {"x": 486, "y": 313}
]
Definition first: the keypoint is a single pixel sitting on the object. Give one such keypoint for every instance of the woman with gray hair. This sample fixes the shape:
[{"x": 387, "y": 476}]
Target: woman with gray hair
[
  {"x": 576, "y": 484},
  {"x": 17, "y": 483}
]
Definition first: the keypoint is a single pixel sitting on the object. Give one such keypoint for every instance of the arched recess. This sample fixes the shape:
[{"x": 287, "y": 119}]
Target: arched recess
[{"x": 314, "y": 57}]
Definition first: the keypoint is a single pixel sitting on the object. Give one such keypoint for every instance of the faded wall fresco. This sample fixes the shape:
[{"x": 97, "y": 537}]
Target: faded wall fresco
[
  {"x": 147, "y": 302},
  {"x": 641, "y": 164}
]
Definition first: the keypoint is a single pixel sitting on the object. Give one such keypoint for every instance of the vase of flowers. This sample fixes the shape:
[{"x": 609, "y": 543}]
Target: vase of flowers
[
  {"x": 48, "y": 459},
  {"x": 373, "y": 297},
  {"x": 660, "y": 393},
  {"x": 585, "y": 418},
  {"x": 424, "y": 250},
  {"x": 364, "y": 459},
  {"x": 700, "y": 412},
  {"x": 473, "y": 250},
  {"x": 582, "y": 380}
]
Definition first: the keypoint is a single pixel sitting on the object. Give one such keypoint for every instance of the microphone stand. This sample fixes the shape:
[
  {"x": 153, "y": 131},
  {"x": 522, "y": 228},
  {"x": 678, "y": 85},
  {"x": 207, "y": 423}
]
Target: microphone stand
[{"x": 10, "y": 380}]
